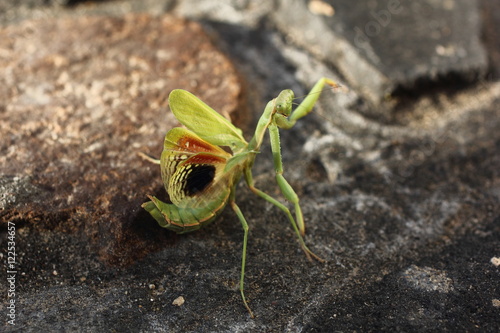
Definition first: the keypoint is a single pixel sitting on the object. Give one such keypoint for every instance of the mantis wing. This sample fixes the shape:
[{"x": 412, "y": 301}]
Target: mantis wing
[
  {"x": 195, "y": 176},
  {"x": 204, "y": 121},
  {"x": 189, "y": 166}
]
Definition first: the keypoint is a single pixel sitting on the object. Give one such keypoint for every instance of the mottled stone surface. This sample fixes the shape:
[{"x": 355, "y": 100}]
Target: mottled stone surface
[{"x": 81, "y": 97}]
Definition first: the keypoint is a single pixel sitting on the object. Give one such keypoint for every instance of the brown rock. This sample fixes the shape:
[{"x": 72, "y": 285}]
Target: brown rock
[{"x": 80, "y": 98}]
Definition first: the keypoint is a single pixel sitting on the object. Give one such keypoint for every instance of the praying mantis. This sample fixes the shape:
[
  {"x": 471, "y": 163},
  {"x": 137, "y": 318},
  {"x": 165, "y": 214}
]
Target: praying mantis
[{"x": 200, "y": 176}]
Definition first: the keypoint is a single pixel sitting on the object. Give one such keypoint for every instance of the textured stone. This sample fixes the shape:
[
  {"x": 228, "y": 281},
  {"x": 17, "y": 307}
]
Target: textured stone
[
  {"x": 381, "y": 47},
  {"x": 80, "y": 98}
]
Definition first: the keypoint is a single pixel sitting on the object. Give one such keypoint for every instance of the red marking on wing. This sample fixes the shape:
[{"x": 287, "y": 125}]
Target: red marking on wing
[
  {"x": 205, "y": 159},
  {"x": 196, "y": 145},
  {"x": 183, "y": 140}
]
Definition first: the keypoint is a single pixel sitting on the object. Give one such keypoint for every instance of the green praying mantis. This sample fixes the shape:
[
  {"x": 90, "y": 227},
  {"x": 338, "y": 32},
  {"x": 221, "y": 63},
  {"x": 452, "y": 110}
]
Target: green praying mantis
[{"x": 201, "y": 177}]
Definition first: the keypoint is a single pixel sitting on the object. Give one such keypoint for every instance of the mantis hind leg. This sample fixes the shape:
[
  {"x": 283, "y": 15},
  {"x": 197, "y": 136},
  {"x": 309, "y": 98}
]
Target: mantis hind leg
[
  {"x": 244, "y": 224},
  {"x": 267, "y": 197},
  {"x": 148, "y": 158}
]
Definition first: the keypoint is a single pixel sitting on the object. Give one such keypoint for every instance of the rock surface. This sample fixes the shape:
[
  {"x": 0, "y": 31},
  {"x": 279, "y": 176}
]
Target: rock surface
[
  {"x": 400, "y": 192},
  {"x": 84, "y": 97},
  {"x": 384, "y": 46}
]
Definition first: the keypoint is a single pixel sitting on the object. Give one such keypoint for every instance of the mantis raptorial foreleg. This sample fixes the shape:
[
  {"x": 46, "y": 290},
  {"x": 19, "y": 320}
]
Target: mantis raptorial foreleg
[{"x": 285, "y": 187}]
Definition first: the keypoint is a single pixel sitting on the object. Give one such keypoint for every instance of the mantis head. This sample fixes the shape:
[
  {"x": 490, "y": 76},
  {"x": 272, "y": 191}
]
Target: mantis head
[{"x": 283, "y": 104}]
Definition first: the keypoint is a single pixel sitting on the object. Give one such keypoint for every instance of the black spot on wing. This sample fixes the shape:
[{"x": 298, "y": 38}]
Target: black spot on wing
[{"x": 198, "y": 178}]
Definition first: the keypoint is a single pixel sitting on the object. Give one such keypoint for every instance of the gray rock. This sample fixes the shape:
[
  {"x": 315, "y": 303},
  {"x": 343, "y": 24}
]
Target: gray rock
[{"x": 380, "y": 47}]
